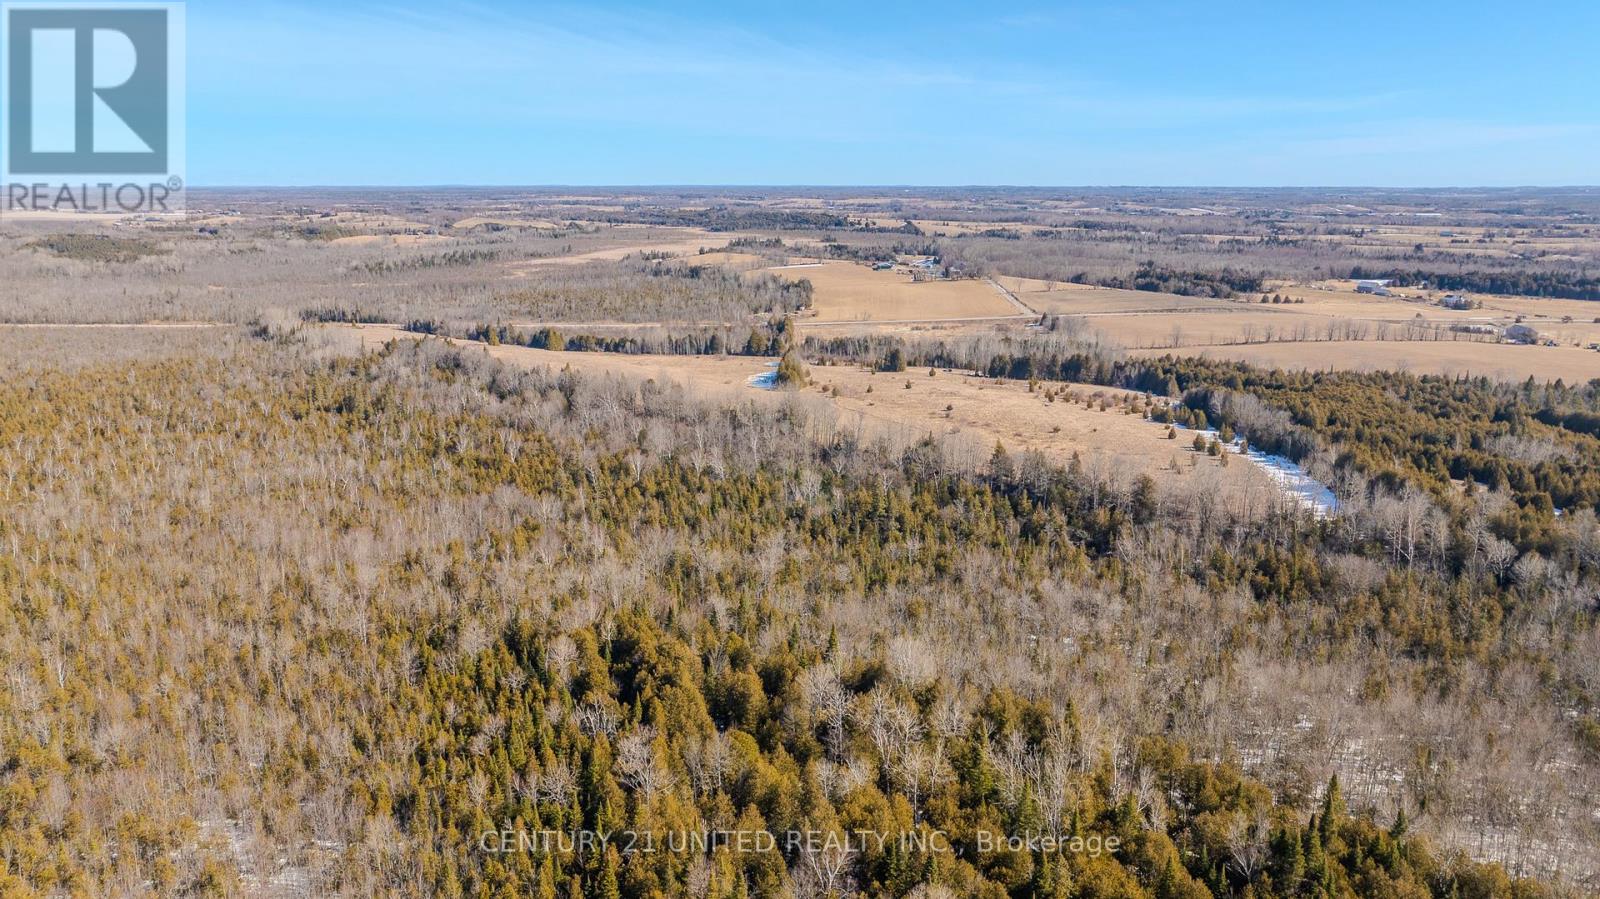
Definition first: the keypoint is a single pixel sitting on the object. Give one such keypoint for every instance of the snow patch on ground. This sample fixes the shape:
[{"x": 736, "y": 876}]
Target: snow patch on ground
[
  {"x": 767, "y": 380},
  {"x": 1287, "y": 474}
]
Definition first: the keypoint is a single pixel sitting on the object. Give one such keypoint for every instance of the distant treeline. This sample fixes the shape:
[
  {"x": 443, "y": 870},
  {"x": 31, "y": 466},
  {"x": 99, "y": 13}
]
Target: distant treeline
[
  {"x": 1058, "y": 353},
  {"x": 836, "y": 249},
  {"x": 96, "y": 247},
  {"x": 650, "y": 290},
  {"x": 1157, "y": 278},
  {"x": 725, "y": 219},
  {"x": 331, "y": 314},
  {"x": 1556, "y": 284},
  {"x": 453, "y": 258},
  {"x": 760, "y": 340}
]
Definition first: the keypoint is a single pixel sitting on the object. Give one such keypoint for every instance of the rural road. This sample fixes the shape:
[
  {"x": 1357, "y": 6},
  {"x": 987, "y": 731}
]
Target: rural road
[{"x": 1005, "y": 291}]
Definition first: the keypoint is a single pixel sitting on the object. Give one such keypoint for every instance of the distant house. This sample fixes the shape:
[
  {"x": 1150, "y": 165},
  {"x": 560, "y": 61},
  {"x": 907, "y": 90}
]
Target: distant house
[
  {"x": 1522, "y": 334},
  {"x": 1458, "y": 301},
  {"x": 1376, "y": 288}
]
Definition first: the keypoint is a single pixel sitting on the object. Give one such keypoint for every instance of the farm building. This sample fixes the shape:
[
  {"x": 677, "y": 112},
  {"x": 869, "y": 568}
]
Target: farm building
[
  {"x": 1458, "y": 301},
  {"x": 1376, "y": 288}
]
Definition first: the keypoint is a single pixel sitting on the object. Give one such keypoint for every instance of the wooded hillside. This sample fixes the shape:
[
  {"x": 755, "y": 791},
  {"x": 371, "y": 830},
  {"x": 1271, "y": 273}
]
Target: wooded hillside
[{"x": 326, "y": 623}]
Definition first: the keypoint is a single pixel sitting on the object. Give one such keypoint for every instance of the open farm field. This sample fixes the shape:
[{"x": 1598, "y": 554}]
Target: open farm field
[
  {"x": 1505, "y": 362},
  {"x": 630, "y": 243},
  {"x": 850, "y": 292}
]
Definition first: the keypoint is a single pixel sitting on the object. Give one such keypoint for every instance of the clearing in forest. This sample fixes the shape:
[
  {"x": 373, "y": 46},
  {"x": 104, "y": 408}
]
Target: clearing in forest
[{"x": 973, "y": 414}]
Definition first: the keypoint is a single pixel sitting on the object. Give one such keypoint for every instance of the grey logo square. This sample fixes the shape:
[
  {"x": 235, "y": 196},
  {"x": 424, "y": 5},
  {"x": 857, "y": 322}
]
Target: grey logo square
[
  {"x": 92, "y": 106},
  {"x": 88, "y": 91}
]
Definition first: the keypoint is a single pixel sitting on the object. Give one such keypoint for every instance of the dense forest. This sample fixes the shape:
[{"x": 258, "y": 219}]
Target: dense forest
[
  {"x": 386, "y": 621},
  {"x": 1436, "y": 432}
]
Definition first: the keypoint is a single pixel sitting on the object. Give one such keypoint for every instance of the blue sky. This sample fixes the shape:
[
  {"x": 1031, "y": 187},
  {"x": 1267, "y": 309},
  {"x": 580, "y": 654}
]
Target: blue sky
[{"x": 932, "y": 93}]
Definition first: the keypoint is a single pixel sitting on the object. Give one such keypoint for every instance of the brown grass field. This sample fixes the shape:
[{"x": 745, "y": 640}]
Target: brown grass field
[
  {"x": 687, "y": 245},
  {"x": 1312, "y": 332},
  {"x": 1080, "y": 300},
  {"x": 1501, "y": 361},
  {"x": 1021, "y": 286},
  {"x": 970, "y": 413},
  {"x": 850, "y": 292},
  {"x": 1474, "y": 241},
  {"x": 739, "y": 262}
]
